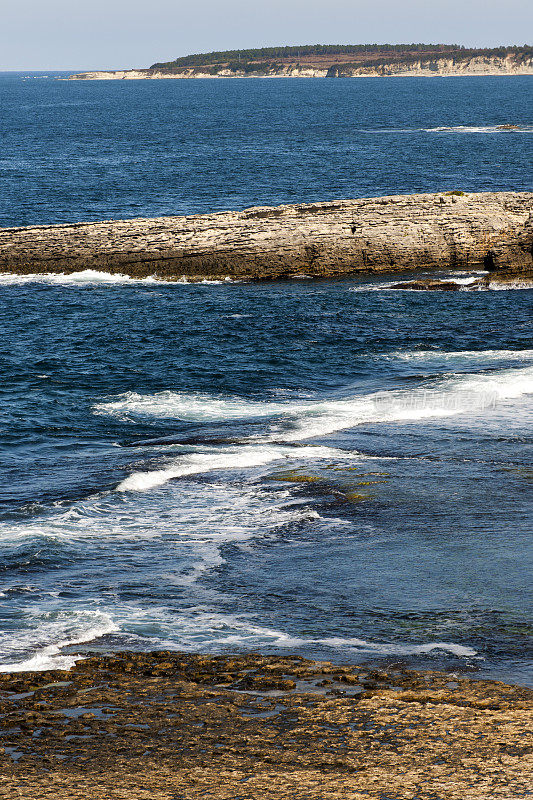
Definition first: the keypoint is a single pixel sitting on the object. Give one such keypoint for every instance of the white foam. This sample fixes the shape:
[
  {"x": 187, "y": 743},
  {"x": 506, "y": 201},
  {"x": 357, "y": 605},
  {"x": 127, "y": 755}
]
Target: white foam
[
  {"x": 385, "y": 648},
  {"x": 509, "y": 286},
  {"x": 192, "y": 527},
  {"x": 470, "y": 355},
  {"x": 479, "y": 129},
  {"x": 200, "y": 627},
  {"x": 89, "y": 277},
  {"x": 235, "y": 459},
  {"x": 195, "y": 407},
  {"x": 293, "y": 421},
  {"x": 490, "y": 129},
  {"x": 68, "y": 630},
  {"x": 464, "y": 284},
  {"x": 86, "y": 276}
]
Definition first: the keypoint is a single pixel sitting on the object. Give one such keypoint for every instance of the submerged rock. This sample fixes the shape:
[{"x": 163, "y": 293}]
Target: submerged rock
[{"x": 428, "y": 285}]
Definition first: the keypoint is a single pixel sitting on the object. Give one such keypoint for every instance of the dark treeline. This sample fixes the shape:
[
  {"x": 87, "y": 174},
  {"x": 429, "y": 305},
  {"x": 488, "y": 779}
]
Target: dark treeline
[{"x": 269, "y": 54}]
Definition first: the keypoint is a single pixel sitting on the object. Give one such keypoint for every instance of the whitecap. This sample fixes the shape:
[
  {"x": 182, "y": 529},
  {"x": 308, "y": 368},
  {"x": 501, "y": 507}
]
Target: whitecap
[
  {"x": 66, "y": 629},
  {"x": 84, "y": 277},
  {"x": 234, "y": 459},
  {"x": 293, "y": 421}
]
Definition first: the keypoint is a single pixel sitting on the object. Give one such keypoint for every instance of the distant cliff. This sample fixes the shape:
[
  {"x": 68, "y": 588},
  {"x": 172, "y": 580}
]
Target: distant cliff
[
  {"x": 454, "y": 231},
  {"x": 335, "y": 61}
]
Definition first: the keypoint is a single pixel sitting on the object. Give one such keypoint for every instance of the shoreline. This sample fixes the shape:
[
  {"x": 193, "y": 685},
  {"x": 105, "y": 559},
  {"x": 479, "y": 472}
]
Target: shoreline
[
  {"x": 106, "y": 75},
  {"x": 168, "y": 725},
  {"x": 450, "y": 231}
]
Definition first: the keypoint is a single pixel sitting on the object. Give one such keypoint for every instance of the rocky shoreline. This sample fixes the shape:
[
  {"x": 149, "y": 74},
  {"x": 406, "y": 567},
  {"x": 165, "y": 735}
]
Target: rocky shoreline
[
  {"x": 454, "y": 231},
  {"x": 176, "y": 726}
]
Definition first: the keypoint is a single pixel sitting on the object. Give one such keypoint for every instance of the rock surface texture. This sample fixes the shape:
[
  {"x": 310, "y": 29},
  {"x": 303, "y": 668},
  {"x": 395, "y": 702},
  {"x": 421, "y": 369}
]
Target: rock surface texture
[
  {"x": 385, "y": 234},
  {"x": 175, "y": 726}
]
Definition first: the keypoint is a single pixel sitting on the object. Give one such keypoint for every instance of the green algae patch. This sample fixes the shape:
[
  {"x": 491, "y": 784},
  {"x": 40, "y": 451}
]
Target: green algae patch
[
  {"x": 294, "y": 477},
  {"x": 356, "y": 497}
]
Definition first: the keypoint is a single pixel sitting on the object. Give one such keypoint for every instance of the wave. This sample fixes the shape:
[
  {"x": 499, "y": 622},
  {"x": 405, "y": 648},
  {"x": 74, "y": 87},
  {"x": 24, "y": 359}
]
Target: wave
[
  {"x": 215, "y": 632},
  {"x": 305, "y": 419},
  {"x": 234, "y": 459},
  {"x": 469, "y": 355},
  {"x": 197, "y": 407},
  {"x": 86, "y": 276},
  {"x": 64, "y": 631},
  {"x": 91, "y": 277},
  {"x": 494, "y": 129},
  {"x": 464, "y": 283},
  {"x": 180, "y": 542},
  {"x": 480, "y": 129},
  {"x": 509, "y": 286}
]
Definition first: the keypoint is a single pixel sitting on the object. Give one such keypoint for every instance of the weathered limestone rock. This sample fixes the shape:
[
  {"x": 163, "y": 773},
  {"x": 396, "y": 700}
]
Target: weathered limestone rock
[
  {"x": 511, "y": 63},
  {"x": 383, "y": 234},
  {"x": 514, "y": 256}
]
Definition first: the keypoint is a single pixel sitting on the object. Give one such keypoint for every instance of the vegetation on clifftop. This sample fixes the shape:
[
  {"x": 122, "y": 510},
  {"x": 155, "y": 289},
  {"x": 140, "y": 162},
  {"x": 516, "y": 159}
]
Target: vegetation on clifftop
[{"x": 360, "y": 55}]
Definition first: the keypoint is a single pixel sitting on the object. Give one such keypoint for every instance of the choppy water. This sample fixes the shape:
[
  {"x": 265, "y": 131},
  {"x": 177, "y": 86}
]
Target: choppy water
[
  {"x": 120, "y": 149},
  {"x": 331, "y": 469}
]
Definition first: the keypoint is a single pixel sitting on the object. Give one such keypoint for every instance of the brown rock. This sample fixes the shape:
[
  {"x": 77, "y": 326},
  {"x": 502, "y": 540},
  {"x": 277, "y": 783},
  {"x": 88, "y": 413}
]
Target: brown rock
[{"x": 428, "y": 285}]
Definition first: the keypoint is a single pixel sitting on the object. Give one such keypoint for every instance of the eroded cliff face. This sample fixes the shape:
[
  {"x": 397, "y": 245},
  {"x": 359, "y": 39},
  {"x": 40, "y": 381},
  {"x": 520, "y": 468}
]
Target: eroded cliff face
[
  {"x": 392, "y": 234},
  {"x": 430, "y": 67},
  {"x": 423, "y": 67}
]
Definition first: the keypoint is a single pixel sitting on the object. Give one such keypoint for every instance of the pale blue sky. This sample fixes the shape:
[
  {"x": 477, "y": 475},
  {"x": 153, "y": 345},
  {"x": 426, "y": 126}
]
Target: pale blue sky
[{"x": 110, "y": 34}]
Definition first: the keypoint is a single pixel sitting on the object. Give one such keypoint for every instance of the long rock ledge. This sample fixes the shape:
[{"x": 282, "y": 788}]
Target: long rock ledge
[{"x": 451, "y": 231}]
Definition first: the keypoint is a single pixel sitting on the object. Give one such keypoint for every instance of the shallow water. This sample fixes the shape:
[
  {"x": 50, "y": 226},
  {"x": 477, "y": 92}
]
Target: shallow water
[{"x": 333, "y": 469}]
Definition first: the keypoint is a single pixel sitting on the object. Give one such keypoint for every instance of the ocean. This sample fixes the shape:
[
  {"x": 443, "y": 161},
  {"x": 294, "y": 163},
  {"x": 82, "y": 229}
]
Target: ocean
[{"x": 331, "y": 469}]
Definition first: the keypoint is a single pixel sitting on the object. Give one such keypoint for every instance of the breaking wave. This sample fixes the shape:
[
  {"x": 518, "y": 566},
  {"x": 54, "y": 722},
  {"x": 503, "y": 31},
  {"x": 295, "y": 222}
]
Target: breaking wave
[
  {"x": 234, "y": 459},
  {"x": 92, "y": 277},
  {"x": 291, "y": 422},
  {"x": 494, "y": 129},
  {"x": 62, "y": 630}
]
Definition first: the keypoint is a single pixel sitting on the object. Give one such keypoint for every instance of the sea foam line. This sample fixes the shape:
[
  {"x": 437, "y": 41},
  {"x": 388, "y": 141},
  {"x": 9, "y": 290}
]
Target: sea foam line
[
  {"x": 292, "y": 422},
  {"x": 235, "y": 459},
  {"x": 217, "y": 631}
]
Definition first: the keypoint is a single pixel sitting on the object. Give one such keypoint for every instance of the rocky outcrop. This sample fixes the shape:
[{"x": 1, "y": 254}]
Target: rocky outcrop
[
  {"x": 428, "y": 286},
  {"x": 385, "y": 234},
  {"x": 181, "y": 726}
]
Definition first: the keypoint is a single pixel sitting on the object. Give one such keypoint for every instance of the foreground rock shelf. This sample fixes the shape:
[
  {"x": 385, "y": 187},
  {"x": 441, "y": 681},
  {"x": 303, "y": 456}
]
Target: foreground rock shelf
[
  {"x": 174, "y": 726},
  {"x": 386, "y": 234}
]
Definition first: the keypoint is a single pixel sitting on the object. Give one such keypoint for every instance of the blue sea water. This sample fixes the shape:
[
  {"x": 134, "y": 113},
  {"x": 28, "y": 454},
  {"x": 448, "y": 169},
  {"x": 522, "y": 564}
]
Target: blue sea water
[{"x": 327, "y": 468}]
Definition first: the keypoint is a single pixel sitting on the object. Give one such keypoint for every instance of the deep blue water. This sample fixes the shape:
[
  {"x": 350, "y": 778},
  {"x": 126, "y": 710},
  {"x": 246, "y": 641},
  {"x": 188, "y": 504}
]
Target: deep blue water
[
  {"x": 333, "y": 469},
  {"x": 117, "y": 149}
]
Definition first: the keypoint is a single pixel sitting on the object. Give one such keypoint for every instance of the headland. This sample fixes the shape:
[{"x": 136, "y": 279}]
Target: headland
[
  {"x": 452, "y": 231},
  {"x": 335, "y": 61},
  {"x": 169, "y": 725}
]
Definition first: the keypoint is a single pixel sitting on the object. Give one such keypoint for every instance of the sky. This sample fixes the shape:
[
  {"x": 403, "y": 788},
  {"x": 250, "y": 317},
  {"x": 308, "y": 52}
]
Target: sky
[{"x": 121, "y": 34}]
